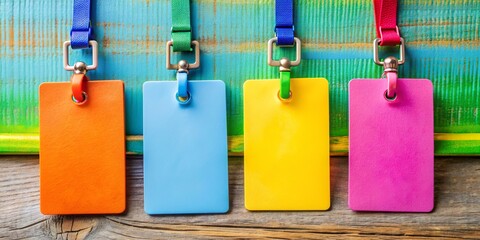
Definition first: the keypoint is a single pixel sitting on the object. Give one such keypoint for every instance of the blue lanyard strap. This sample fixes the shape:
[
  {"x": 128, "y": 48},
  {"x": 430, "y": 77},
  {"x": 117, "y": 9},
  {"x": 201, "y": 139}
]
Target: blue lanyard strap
[
  {"x": 82, "y": 31},
  {"x": 284, "y": 28}
]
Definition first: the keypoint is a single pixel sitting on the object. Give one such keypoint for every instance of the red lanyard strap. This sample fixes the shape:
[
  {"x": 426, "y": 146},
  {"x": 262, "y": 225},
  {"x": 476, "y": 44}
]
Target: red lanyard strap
[{"x": 386, "y": 20}]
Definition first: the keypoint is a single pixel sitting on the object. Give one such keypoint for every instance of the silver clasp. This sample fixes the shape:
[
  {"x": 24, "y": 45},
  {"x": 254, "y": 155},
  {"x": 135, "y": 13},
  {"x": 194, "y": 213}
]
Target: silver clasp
[
  {"x": 284, "y": 65},
  {"x": 376, "y": 58},
  {"x": 390, "y": 69},
  {"x": 69, "y": 67},
  {"x": 183, "y": 64},
  {"x": 276, "y": 63}
]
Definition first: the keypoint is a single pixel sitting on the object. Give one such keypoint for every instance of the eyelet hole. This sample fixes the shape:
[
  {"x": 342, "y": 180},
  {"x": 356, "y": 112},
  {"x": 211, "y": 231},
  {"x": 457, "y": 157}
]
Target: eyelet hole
[
  {"x": 183, "y": 100},
  {"x": 390, "y": 99},
  {"x": 85, "y": 96},
  {"x": 289, "y": 99}
]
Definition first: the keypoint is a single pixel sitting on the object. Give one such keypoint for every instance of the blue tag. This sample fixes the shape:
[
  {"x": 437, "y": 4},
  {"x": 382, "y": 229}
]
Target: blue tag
[{"x": 185, "y": 148}]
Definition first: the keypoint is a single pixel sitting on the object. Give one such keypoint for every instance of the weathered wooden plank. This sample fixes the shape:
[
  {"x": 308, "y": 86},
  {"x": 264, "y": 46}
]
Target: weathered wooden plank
[
  {"x": 442, "y": 44},
  {"x": 456, "y": 215}
]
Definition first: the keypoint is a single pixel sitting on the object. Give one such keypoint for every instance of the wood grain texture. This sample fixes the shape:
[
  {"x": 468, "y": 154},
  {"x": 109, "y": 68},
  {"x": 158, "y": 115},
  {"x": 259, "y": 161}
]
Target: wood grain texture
[
  {"x": 443, "y": 44},
  {"x": 456, "y": 216}
]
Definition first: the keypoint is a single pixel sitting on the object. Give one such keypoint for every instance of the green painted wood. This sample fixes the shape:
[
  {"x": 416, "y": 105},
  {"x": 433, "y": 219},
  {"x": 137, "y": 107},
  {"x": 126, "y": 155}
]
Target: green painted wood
[{"x": 442, "y": 44}]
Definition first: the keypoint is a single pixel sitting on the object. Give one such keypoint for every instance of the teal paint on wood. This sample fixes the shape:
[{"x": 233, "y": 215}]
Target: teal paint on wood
[{"x": 442, "y": 45}]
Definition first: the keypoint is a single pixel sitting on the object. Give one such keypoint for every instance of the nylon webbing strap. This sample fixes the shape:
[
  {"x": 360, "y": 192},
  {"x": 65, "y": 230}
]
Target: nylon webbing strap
[
  {"x": 284, "y": 29},
  {"x": 81, "y": 31},
  {"x": 181, "y": 27},
  {"x": 386, "y": 21}
]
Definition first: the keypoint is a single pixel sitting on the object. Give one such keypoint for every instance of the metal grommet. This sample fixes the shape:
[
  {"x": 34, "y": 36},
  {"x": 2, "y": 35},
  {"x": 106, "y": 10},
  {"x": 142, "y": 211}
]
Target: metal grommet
[
  {"x": 183, "y": 100},
  {"x": 286, "y": 100},
  {"x": 390, "y": 99},
  {"x": 85, "y": 96}
]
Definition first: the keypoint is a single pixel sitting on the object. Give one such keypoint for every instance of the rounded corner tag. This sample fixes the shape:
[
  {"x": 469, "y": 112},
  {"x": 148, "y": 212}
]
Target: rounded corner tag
[
  {"x": 391, "y": 150},
  {"x": 287, "y": 146}
]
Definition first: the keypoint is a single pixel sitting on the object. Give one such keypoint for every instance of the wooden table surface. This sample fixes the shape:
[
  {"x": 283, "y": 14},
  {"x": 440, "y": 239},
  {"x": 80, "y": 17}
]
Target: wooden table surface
[{"x": 456, "y": 216}]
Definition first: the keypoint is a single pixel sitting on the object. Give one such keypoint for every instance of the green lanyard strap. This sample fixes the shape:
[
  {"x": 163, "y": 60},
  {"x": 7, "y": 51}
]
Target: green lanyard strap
[{"x": 181, "y": 27}]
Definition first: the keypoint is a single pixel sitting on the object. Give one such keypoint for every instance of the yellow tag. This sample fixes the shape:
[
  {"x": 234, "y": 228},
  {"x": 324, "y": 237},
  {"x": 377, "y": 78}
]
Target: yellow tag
[{"x": 287, "y": 148}]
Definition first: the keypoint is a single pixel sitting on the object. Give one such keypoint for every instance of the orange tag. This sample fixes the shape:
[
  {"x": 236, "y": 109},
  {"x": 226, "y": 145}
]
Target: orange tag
[{"x": 82, "y": 149}]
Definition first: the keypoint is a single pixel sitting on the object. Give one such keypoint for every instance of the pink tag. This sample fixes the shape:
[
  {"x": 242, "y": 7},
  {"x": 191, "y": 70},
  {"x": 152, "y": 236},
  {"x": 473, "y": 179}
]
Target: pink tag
[{"x": 391, "y": 146}]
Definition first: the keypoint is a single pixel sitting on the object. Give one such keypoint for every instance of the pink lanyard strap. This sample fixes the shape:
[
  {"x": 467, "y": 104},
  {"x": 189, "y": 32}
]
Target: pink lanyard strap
[{"x": 386, "y": 20}]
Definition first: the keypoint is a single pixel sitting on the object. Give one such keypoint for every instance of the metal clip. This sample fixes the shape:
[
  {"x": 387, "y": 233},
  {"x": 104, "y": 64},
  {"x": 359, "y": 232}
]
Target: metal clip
[
  {"x": 285, "y": 93},
  {"x": 79, "y": 83},
  {"x": 390, "y": 69},
  {"x": 194, "y": 65},
  {"x": 183, "y": 95},
  {"x": 275, "y": 63},
  {"x": 284, "y": 65},
  {"x": 376, "y": 59},
  {"x": 183, "y": 67},
  {"x": 66, "y": 64}
]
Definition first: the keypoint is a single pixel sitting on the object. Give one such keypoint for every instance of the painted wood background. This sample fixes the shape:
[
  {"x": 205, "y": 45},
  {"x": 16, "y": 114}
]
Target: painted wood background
[
  {"x": 442, "y": 39},
  {"x": 456, "y": 214}
]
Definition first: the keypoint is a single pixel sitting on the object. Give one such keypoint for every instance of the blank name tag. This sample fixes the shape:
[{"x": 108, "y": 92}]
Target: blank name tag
[
  {"x": 391, "y": 146},
  {"x": 82, "y": 149},
  {"x": 185, "y": 148},
  {"x": 287, "y": 146}
]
